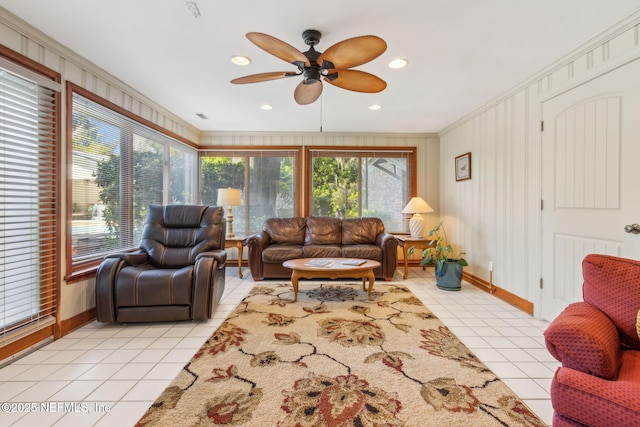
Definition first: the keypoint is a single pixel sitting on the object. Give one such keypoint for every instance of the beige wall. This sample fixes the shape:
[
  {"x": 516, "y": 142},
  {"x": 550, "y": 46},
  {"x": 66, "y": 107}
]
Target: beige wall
[{"x": 496, "y": 215}]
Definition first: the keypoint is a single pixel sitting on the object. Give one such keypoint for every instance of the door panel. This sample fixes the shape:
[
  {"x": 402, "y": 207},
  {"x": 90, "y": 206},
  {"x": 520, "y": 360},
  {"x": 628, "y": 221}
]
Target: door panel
[{"x": 590, "y": 176}]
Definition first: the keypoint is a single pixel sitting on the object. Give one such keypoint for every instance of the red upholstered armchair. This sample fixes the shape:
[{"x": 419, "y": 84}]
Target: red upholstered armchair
[{"x": 598, "y": 345}]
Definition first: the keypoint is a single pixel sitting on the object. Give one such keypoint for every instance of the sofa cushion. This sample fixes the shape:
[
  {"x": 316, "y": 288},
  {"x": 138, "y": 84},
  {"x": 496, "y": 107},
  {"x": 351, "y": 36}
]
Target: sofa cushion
[
  {"x": 281, "y": 252},
  {"x": 285, "y": 230},
  {"x": 583, "y": 338},
  {"x": 362, "y": 251},
  {"x": 358, "y": 231},
  {"x": 323, "y": 231},
  {"x": 594, "y": 401},
  {"x": 321, "y": 251},
  {"x": 611, "y": 285}
]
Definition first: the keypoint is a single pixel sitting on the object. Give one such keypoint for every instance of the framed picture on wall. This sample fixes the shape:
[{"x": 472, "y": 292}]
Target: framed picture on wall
[{"x": 463, "y": 167}]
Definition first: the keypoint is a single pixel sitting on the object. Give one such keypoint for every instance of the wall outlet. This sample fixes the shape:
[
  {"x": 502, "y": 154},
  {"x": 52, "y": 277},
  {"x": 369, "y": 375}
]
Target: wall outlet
[{"x": 490, "y": 265}]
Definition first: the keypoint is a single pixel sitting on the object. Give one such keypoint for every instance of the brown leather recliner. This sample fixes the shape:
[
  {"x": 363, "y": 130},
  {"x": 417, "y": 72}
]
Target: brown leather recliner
[{"x": 178, "y": 273}]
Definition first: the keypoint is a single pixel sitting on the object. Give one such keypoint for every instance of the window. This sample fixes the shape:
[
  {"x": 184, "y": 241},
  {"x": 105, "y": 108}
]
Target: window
[
  {"x": 268, "y": 180},
  {"x": 29, "y": 263},
  {"x": 349, "y": 183},
  {"x": 119, "y": 166}
]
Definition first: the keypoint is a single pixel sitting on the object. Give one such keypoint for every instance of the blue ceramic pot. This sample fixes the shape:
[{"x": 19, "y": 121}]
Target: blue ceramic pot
[{"x": 449, "y": 276}]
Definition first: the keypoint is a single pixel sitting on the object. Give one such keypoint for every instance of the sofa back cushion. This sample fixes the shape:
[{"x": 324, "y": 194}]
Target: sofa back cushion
[
  {"x": 285, "y": 230},
  {"x": 323, "y": 231},
  {"x": 361, "y": 231},
  {"x": 612, "y": 285}
]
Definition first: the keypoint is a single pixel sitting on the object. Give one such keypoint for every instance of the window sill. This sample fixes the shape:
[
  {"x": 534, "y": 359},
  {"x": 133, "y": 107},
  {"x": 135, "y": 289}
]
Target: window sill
[{"x": 80, "y": 274}]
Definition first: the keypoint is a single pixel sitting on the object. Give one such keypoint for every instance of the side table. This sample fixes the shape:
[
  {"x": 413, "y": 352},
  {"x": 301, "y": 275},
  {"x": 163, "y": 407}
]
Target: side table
[
  {"x": 238, "y": 242},
  {"x": 406, "y": 242}
]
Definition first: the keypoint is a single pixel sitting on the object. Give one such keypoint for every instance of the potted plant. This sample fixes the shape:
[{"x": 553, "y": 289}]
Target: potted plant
[{"x": 448, "y": 265}]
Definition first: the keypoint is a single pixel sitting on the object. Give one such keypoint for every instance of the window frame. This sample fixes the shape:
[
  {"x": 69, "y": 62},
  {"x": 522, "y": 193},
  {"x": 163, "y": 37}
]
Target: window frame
[
  {"x": 85, "y": 269},
  {"x": 359, "y": 152},
  {"x": 256, "y": 151},
  {"x": 50, "y": 271}
]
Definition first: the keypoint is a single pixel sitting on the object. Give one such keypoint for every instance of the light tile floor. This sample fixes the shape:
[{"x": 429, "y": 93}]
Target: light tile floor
[{"x": 106, "y": 375}]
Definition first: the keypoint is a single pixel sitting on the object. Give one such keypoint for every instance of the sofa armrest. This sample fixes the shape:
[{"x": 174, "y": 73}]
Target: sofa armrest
[
  {"x": 258, "y": 240},
  {"x": 256, "y": 244},
  {"x": 138, "y": 257},
  {"x": 389, "y": 244},
  {"x": 585, "y": 339},
  {"x": 387, "y": 241}
]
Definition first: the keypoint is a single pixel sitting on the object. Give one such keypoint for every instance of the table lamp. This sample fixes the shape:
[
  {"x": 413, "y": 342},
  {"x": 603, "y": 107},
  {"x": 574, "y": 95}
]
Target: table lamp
[
  {"x": 416, "y": 206},
  {"x": 229, "y": 197}
]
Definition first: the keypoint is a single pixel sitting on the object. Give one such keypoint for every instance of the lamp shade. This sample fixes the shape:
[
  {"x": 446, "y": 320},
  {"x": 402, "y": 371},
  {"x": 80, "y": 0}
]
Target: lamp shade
[
  {"x": 229, "y": 197},
  {"x": 417, "y": 205}
]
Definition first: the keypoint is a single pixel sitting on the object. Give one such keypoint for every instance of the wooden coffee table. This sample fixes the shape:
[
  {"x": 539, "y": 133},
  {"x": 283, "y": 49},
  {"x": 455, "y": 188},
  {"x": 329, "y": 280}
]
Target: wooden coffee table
[{"x": 303, "y": 268}]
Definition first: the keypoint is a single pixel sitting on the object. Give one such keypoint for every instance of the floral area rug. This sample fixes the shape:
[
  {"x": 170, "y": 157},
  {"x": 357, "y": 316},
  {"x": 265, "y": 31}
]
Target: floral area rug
[{"x": 334, "y": 358}]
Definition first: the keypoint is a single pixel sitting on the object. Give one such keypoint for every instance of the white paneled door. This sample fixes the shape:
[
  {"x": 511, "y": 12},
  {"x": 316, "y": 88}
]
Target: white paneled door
[{"x": 590, "y": 180}]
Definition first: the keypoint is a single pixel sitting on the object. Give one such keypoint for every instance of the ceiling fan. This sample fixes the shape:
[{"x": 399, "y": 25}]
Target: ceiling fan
[{"x": 333, "y": 65}]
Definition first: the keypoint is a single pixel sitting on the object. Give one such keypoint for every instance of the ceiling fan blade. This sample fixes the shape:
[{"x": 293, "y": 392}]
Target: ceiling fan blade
[
  {"x": 353, "y": 52},
  {"x": 263, "y": 77},
  {"x": 278, "y": 48},
  {"x": 307, "y": 93},
  {"x": 357, "y": 81}
]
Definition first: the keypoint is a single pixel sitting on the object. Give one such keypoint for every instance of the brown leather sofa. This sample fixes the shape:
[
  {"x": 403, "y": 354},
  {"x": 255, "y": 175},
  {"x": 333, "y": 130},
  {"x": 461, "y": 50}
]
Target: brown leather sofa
[
  {"x": 178, "y": 273},
  {"x": 282, "y": 239}
]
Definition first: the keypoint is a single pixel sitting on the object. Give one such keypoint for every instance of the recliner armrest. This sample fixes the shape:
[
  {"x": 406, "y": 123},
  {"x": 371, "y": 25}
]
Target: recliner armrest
[
  {"x": 138, "y": 257},
  {"x": 106, "y": 275},
  {"x": 218, "y": 254},
  {"x": 585, "y": 339}
]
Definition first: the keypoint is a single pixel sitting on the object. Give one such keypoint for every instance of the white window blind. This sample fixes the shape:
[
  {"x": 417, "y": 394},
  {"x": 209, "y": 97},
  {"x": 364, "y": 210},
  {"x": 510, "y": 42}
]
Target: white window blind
[
  {"x": 28, "y": 208},
  {"x": 119, "y": 168}
]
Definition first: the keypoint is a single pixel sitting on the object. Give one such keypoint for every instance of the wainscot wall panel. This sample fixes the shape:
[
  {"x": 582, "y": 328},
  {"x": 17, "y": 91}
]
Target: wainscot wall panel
[{"x": 495, "y": 216}]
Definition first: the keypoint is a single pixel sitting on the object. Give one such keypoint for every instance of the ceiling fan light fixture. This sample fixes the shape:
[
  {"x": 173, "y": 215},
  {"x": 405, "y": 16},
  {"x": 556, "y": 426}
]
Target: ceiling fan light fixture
[
  {"x": 398, "y": 63},
  {"x": 311, "y": 75},
  {"x": 334, "y": 65},
  {"x": 241, "y": 60}
]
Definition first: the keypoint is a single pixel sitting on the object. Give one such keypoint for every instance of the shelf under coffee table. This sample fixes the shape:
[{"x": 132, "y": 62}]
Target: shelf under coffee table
[{"x": 304, "y": 268}]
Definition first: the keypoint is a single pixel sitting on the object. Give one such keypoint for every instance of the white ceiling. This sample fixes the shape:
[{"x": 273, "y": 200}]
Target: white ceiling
[{"x": 462, "y": 53}]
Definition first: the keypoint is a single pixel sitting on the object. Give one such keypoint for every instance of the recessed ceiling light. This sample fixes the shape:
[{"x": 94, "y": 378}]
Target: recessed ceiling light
[
  {"x": 398, "y": 63},
  {"x": 266, "y": 107},
  {"x": 375, "y": 107},
  {"x": 202, "y": 116},
  {"x": 240, "y": 60}
]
